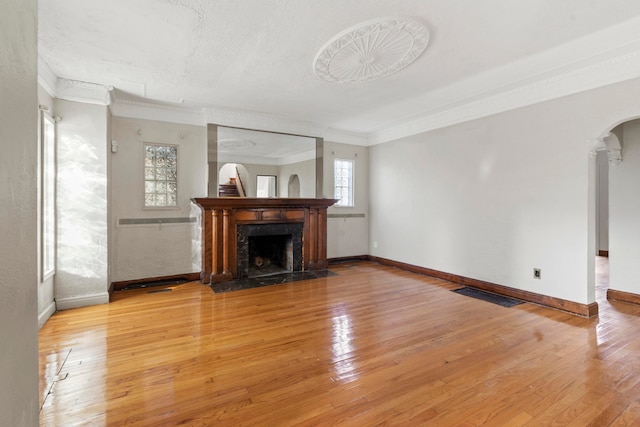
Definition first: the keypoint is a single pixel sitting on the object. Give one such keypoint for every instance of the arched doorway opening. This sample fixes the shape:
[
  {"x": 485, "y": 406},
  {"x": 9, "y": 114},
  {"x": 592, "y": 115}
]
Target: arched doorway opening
[
  {"x": 616, "y": 211},
  {"x": 293, "y": 187},
  {"x": 233, "y": 179}
]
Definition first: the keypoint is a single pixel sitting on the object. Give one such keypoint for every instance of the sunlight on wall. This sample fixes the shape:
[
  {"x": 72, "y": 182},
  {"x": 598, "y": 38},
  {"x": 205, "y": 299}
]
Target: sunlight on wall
[
  {"x": 82, "y": 208},
  {"x": 196, "y": 239}
]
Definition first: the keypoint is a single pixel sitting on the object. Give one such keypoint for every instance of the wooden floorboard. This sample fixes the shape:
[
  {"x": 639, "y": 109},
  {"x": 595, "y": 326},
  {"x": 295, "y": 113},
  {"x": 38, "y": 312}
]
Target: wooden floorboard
[{"x": 372, "y": 345}]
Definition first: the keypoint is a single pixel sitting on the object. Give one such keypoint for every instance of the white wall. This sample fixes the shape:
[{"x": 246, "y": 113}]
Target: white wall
[
  {"x": 46, "y": 303},
  {"x": 347, "y": 227},
  {"x": 18, "y": 274},
  {"x": 624, "y": 214},
  {"x": 142, "y": 251},
  {"x": 82, "y": 276},
  {"x": 306, "y": 172},
  {"x": 493, "y": 198}
]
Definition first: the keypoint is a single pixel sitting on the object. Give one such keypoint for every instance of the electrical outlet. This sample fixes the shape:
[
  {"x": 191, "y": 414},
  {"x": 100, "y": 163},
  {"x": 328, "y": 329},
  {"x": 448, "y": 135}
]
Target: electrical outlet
[
  {"x": 537, "y": 273},
  {"x": 375, "y": 245}
]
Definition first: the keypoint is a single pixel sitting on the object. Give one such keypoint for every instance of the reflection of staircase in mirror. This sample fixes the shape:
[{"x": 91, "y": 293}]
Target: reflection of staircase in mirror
[
  {"x": 228, "y": 190},
  {"x": 240, "y": 184},
  {"x": 234, "y": 188}
]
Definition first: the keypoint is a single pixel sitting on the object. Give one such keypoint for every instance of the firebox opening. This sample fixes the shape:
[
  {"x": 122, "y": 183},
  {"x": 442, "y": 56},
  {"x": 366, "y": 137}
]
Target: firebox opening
[
  {"x": 265, "y": 249},
  {"x": 271, "y": 254}
]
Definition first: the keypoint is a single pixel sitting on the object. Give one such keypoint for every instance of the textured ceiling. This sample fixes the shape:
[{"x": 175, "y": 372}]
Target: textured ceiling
[{"x": 257, "y": 55}]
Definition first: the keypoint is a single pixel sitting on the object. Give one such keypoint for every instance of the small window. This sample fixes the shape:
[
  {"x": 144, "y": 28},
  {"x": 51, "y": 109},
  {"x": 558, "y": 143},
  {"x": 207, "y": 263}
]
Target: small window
[
  {"x": 160, "y": 175},
  {"x": 343, "y": 182}
]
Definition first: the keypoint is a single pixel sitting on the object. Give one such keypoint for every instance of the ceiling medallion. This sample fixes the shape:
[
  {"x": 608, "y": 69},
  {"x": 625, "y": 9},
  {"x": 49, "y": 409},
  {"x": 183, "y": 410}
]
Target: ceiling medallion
[
  {"x": 371, "y": 50},
  {"x": 229, "y": 144}
]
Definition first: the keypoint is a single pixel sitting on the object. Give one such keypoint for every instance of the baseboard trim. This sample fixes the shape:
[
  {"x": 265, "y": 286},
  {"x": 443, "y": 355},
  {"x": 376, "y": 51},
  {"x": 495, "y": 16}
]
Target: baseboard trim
[
  {"x": 584, "y": 310},
  {"x": 189, "y": 277},
  {"x": 622, "y": 296},
  {"x": 82, "y": 301},
  {"x": 338, "y": 260},
  {"x": 46, "y": 314},
  {"x": 603, "y": 253}
]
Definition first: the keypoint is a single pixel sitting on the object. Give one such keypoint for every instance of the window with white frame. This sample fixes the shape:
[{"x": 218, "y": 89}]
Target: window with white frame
[
  {"x": 48, "y": 176},
  {"x": 160, "y": 175},
  {"x": 343, "y": 182}
]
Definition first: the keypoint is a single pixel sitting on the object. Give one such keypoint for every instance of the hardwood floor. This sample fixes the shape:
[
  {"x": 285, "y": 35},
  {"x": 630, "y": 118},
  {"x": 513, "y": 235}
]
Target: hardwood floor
[{"x": 372, "y": 345}]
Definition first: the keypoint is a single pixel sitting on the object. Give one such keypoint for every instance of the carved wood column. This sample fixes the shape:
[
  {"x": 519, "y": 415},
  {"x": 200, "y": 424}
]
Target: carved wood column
[
  {"x": 321, "y": 239},
  {"x": 206, "y": 248},
  {"x": 225, "y": 244},
  {"x": 215, "y": 262},
  {"x": 318, "y": 233},
  {"x": 313, "y": 232}
]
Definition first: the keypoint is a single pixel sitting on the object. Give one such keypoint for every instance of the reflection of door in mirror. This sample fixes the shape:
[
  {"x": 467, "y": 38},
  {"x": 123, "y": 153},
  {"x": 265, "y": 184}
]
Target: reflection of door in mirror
[
  {"x": 266, "y": 186},
  {"x": 294, "y": 186}
]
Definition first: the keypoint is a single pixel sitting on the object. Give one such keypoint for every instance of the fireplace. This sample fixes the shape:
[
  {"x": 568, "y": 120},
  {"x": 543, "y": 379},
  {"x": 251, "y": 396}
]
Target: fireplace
[
  {"x": 238, "y": 233},
  {"x": 266, "y": 249}
]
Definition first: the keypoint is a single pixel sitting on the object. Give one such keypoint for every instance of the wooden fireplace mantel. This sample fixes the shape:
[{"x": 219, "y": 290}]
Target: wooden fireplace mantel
[{"x": 222, "y": 215}]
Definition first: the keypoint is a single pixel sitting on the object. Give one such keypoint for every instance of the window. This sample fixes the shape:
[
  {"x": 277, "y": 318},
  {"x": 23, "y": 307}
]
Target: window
[
  {"x": 160, "y": 175},
  {"x": 48, "y": 197},
  {"x": 343, "y": 182}
]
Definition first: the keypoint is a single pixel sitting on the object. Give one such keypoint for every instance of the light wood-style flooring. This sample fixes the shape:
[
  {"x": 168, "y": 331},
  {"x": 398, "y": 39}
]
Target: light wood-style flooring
[{"x": 373, "y": 345}]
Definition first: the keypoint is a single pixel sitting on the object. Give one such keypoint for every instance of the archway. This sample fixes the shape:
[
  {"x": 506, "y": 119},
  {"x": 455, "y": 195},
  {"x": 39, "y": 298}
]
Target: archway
[
  {"x": 233, "y": 174},
  {"x": 617, "y": 153},
  {"x": 293, "y": 187}
]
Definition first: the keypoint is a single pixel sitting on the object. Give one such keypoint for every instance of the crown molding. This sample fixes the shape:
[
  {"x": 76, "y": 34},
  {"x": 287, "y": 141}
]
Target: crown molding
[
  {"x": 148, "y": 110},
  {"x": 144, "y": 109},
  {"x": 71, "y": 90},
  {"x": 85, "y": 92},
  {"x": 344, "y": 137},
  {"x": 593, "y": 76},
  {"x": 46, "y": 78},
  {"x": 606, "y": 57}
]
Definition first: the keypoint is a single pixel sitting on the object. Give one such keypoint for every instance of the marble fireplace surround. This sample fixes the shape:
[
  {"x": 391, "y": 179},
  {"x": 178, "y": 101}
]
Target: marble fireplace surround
[{"x": 222, "y": 217}]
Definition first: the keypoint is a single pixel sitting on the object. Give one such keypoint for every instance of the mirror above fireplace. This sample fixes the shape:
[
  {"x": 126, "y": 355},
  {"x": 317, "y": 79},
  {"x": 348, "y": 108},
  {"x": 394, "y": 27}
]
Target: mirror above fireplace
[{"x": 241, "y": 155}]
